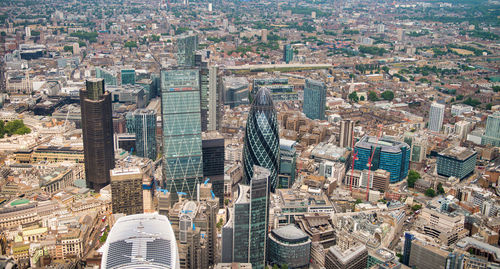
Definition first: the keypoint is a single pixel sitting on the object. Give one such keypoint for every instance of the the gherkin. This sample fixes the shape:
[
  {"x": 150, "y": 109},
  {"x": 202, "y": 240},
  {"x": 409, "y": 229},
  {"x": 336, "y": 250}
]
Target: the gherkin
[{"x": 262, "y": 138}]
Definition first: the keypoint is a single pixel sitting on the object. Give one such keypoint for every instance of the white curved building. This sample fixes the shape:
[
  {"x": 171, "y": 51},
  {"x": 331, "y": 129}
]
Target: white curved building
[{"x": 141, "y": 241}]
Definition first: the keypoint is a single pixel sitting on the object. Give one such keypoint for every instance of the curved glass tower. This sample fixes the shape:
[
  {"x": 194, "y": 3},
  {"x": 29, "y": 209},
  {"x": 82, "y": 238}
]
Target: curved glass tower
[{"x": 262, "y": 138}]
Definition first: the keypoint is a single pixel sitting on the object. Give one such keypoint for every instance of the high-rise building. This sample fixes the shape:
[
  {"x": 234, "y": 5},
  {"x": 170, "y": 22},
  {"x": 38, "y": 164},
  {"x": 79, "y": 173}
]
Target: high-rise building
[
  {"x": 140, "y": 241},
  {"x": 97, "y": 130},
  {"x": 290, "y": 246},
  {"x": 213, "y": 149},
  {"x": 355, "y": 257},
  {"x": 288, "y": 156},
  {"x": 458, "y": 162},
  {"x": 244, "y": 237},
  {"x": 346, "y": 133},
  {"x": 204, "y": 89},
  {"x": 314, "y": 99},
  {"x": 427, "y": 256},
  {"x": 214, "y": 99},
  {"x": 194, "y": 223},
  {"x": 390, "y": 155},
  {"x": 491, "y": 136},
  {"x": 127, "y": 76},
  {"x": 142, "y": 123},
  {"x": 436, "y": 115},
  {"x": 182, "y": 146},
  {"x": 287, "y": 53},
  {"x": 126, "y": 191},
  {"x": 261, "y": 138},
  {"x": 407, "y": 248},
  {"x": 186, "y": 47}
]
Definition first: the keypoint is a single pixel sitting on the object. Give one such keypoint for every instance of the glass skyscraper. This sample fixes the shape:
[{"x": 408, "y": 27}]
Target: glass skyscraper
[
  {"x": 108, "y": 76},
  {"x": 244, "y": 237},
  {"x": 436, "y": 116},
  {"x": 314, "y": 99},
  {"x": 182, "y": 146},
  {"x": 390, "y": 155},
  {"x": 186, "y": 47},
  {"x": 262, "y": 138},
  {"x": 142, "y": 123},
  {"x": 288, "y": 156},
  {"x": 492, "y": 135},
  {"x": 287, "y": 53}
]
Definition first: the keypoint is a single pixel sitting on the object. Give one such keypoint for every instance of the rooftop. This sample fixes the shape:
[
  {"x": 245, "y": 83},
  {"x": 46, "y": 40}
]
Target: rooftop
[
  {"x": 386, "y": 144},
  {"x": 459, "y": 153}
]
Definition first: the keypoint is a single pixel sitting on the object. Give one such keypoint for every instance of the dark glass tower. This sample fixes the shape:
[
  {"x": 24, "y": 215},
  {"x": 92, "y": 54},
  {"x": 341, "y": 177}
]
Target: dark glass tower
[
  {"x": 97, "y": 129},
  {"x": 142, "y": 123},
  {"x": 213, "y": 162},
  {"x": 262, "y": 138}
]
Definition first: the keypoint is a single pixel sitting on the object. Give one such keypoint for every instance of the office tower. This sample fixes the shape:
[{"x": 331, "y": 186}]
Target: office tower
[
  {"x": 244, "y": 237},
  {"x": 288, "y": 156},
  {"x": 427, "y": 256},
  {"x": 355, "y": 257},
  {"x": 214, "y": 99},
  {"x": 110, "y": 78},
  {"x": 97, "y": 130},
  {"x": 261, "y": 138},
  {"x": 346, "y": 133},
  {"x": 492, "y": 135},
  {"x": 195, "y": 223},
  {"x": 436, "y": 115},
  {"x": 458, "y": 162},
  {"x": 141, "y": 241},
  {"x": 441, "y": 224},
  {"x": 390, "y": 155},
  {"x": 287, "y": 53},
  {"x": 182, "y": 152},
  {"x": 407, "y": 248},
  {"x": 213, "y": 149},
  {"x": 142, "y": 123},
  {"x": 202, "y": 65},
  {"x": 186, "y": 47},
  {"x": 290, "y": 246},
  {"x": 314, "y": 99},
  {"x": 127, "y": 76},
  {"x": 126, "y": 190}
]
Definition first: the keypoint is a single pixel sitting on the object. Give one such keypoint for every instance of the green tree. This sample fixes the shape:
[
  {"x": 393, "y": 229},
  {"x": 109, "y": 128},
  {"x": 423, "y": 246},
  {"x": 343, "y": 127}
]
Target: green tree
[
  {"x": 489, "y": 106},
  {"x": 416, "y": 207},
  {"x": 387, "y": 95},
  {"x": 372, "y": 96},
  {"x": 430, "y": 192},
  {"x": 413, "y": 176},
  {"x": 472, "y": 102},
  {"x": 440, "y": 189},
  {"x": 358, "y": 201},
  {"x": 496, "y": 88},
  {"x": 354, "y": 97},
  {"x": 362, "y": 98},
  {"x": 130, "y": 44},
  {"x": 68, "y": 48}
]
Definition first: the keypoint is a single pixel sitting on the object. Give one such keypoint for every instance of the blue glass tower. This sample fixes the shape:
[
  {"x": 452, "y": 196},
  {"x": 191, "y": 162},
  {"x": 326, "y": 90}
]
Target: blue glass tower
[
  {"x": 314, "y": 99},
  {"x": 390, "y": 155},
  {"x": 182, "y": 144},
  {"x": 128, "y": 76},
  {"x": 262, "y": 138},
  {"x": 142, "y": 123},
  {"x": 407, "y": 248}
]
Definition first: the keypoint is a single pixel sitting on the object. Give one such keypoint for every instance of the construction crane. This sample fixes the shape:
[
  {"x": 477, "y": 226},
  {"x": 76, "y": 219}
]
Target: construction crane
[{"x": 379, "y": 127}]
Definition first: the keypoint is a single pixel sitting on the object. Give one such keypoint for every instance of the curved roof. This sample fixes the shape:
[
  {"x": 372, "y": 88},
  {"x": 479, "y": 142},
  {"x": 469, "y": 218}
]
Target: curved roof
[
  {"x": 263, "y": 99},
  {"x": 140, "y": 241},
  {"x": 290, "y": 233}
]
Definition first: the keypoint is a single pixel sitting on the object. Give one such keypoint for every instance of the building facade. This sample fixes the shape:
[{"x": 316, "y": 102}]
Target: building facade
[
  {"x": 355, "y": 257},
  {"x": 289, "y": 246},
  {"x": 213, "y": 162},
  {"x": 245, "y": 235},
  {"x": 127, "y": 76},
  {"x": 346, "y": 133},
  {"x": 314, "y": 99},
  {"x": 261, "y": 143},
  {"x": 458, "y": 162},
  {"x": 390, "y": 155},
  {"x": 126, "y": 191},
  {"x": 436, "y": 115},
  {"x": 186, "y": 47},
  {"x": 182, "y": 145},
  {"x": 287, "y": 53},
  {"x": 492, "y": 134},
  {"x": 142, "y": 123},
  {"x": 97, "y": 130},
  {"x": 288, "y": 156}
]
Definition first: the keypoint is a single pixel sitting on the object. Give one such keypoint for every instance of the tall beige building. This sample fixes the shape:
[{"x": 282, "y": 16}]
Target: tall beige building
[{"x": 126, "y": 190}]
